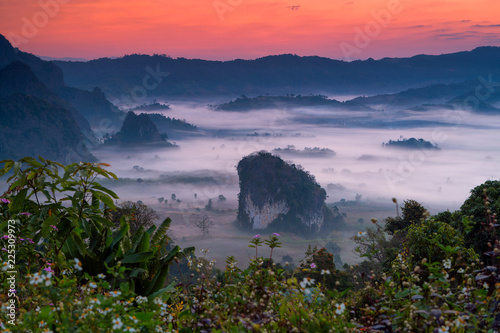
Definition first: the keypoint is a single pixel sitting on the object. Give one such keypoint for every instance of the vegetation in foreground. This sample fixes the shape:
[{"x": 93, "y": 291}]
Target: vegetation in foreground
[{"x": 76, "y": 269}]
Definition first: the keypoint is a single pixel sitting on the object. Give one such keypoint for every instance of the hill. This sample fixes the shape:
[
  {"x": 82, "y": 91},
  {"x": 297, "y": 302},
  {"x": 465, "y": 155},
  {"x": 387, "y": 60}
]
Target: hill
[
  {"x": 31, "y": 126},
  {"x": 244, "y": 103},
  {"x": 17, "y": 78},
  {"x": 138, "y": 130},
  {"x": 174, "y": 128},
  {"x": 93, "y": 104},
  {"x": 278, "y": 74},
  {"x": 277, "y": 196},
  {"x": 411, "y": 143}
]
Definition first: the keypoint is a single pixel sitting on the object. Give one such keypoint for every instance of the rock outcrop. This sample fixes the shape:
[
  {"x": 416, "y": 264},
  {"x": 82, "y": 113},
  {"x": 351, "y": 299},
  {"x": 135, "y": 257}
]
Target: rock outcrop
[{"x": 277, "y": 196}]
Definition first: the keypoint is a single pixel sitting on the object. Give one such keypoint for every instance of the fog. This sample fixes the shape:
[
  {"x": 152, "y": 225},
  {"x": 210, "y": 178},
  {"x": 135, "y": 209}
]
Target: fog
[{"x": 439, "y": 179}]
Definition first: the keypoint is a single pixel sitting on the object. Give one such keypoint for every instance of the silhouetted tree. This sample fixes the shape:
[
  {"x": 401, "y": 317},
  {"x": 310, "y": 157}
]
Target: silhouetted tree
[
  {"x": 139, "y": 214},
  {"x": 204, "y": 223}
]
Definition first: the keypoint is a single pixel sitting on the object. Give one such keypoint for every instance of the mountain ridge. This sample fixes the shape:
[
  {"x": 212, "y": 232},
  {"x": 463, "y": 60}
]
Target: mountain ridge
[{"x": 280, "y": 74}]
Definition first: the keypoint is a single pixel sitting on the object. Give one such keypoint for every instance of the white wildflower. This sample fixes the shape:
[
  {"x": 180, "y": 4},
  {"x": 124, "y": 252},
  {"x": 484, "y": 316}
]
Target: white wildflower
[
  {"x": 340, "y": 308},
  {"x": 117, "y": 324},
  {"x": 78, "y": 264},
  {"x": 447, "y": 263}
]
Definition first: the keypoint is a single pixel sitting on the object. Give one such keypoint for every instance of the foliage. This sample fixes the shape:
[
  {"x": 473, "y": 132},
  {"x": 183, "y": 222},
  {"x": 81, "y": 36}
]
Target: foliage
[
  {"x": 137, "y": 213},
  {"x": 411, "y": 143},
  {"x": 68, "y": 215},
  {"x": 378, "y": 249},
  {"x": 411, "y": 212},
  {"x": 209, "y": 205},
  {"x": 484, "y": 199},
  {"x": 435, "y": 285},
  {"x": 428, "y": 239}
]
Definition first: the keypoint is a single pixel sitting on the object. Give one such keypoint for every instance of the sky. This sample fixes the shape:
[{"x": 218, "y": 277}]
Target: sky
[{"x": 248, "y": 29}]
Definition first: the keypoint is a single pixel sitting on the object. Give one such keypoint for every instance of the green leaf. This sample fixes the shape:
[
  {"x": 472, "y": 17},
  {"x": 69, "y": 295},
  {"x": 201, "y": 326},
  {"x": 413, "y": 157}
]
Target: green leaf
[
  {"x": 169, "y": 288},
  {"x": 144, "y": 316},
  {"x": 108, "y": 201},
  {"x": 171, "y": 255},
  {"x": 97, "y": 186},
  {"x": 161, "y": 232},
  {"x": 46, "y": 225},
  {"x": 18, "y": 201},
  {"x": 79, "y": 243},
  {"x": 144, "y": 244},
  {"x": 119, "y": 235},
  {"x": 3, "y": 225},
  {"x": 138, "y": 271},
  {"x": 403, "y": 293},
  {"x": 137, "y": 257}
]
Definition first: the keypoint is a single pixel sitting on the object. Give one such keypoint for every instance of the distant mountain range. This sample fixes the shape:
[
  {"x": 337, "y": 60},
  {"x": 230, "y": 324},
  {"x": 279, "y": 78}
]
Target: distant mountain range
[
  {"x": 41, "y": 96},
  {"x": 479, "y": 95},
  {"x": 276, "y": 75}
]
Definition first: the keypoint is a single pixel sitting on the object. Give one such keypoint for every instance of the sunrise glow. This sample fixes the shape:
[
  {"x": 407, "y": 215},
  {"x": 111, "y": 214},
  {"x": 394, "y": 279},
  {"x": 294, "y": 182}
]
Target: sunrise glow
[{"x": 228, "y": 29}]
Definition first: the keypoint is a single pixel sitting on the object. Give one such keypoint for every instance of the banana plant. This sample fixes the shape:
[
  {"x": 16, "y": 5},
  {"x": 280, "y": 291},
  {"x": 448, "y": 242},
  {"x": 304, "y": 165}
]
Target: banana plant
[{"x": 70, "y": 199}]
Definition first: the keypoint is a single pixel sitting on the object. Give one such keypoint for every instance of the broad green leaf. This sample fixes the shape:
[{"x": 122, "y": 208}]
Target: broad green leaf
[
  {"x": 119, "y": 236},
  {"x": 137, "y": 257},
  {"x": 46, "y": 225}
]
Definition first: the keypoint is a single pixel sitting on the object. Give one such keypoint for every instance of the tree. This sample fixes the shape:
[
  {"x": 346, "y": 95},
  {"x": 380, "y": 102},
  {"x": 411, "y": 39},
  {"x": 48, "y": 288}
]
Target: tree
[
  {"x": 222, "y": 198},
  {"x": 160, "y": 200},
  {"x": 174, "y": 197},
  {"x": 378, "y": 249},
  {"x": 483, "y": 200},
  {"x": 139, "y": 214},
  {"x": 209, "y": 205},
  {"x": 412, "y": 212},
  {"x": 204, "y": 224}
]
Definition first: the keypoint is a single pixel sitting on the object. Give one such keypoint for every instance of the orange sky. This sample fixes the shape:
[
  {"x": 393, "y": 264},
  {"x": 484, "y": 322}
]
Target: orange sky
[{"x": 228, "y": 29}]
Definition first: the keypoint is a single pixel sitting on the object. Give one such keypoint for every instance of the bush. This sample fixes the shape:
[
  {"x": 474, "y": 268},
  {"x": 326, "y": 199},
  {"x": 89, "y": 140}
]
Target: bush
[
  {"x": 430, "y": 238},
  {"x": 483, "y": 198}
]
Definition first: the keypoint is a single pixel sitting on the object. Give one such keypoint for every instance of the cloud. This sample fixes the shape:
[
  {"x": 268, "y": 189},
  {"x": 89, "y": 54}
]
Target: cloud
[
  {"x": 485, "y": 26},
  {"x": 441, "y": 30},
  {"x": 455, "y": 35},
  {"x": 294, "y": 7},
  {"x": 419, "y": 26}
]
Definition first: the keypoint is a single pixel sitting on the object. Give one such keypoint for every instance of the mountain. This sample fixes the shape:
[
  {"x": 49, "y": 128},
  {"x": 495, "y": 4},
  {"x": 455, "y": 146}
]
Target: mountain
[
  {"x": 103, "y": 116},
  {"x": 47, "y": 72},
  {"x": 93, "y": 105},
  {"x": 432, "y": 94},
  {"x": 138, "y": 130},
  {"x": 244, "y": 103},
  {"x": 17, "y": 78},
  {"x": 276, "y": 75},
  {"x": 476, "y": 95},
  {"x": 277, "y": 196},
  {"x": 31, "y": 126},
  {"x": 174, "y": 128}
]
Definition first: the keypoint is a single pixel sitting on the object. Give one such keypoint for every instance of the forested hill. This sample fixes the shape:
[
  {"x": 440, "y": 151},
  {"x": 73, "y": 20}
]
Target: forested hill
[{"x": 279, "y": 74}]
